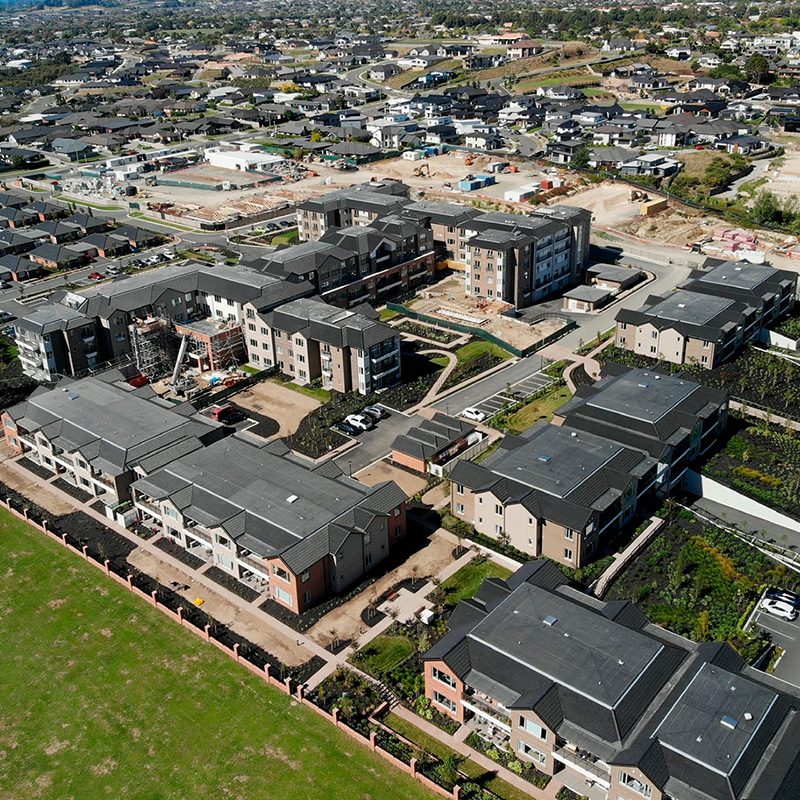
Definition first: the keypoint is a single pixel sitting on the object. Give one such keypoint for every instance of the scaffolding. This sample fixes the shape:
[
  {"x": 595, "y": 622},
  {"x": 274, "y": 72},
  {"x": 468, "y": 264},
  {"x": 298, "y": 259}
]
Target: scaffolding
[
  {"x": 154, "y": 346},
  {"x": 214, "y": 345}
]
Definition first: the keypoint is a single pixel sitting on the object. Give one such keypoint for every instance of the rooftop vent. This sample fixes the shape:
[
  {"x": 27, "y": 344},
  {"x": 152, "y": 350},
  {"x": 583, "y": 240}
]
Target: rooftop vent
[
  {"x": 729, "y": 722},
  {"x": 550, "y": 620},
  {"x": 544, "y": 459},
  {"x": 681, "y": 305},
  {"x": 643, "y": 385},
  {"x": 574, "y": 435},
  {"x": 291, "y": 498},
  {"x": 748, "y": 716}
]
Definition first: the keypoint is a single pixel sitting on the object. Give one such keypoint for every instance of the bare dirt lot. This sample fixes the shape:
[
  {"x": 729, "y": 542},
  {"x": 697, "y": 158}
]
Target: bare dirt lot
[
  {"x": 239, "y": 619},
  {"x": 346, "y": 619},
  {"x": 609, "y": 202},
  {"x": 30, "y": 487},
  {"x": 285, "y": 406},
  {"x": 448, "y": 301},
  {"x": 381, "y": 471}
]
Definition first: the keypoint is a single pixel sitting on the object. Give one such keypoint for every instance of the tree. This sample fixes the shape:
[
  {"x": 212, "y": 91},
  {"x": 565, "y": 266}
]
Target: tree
[
  {"x": 316, "y": 136},
  {"x": 580, "y": 157},
  {"x": 757, "y": 68}
]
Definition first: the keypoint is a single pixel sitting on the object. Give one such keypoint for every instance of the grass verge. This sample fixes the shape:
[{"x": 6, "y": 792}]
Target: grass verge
[{"x": 465, "y": 583}]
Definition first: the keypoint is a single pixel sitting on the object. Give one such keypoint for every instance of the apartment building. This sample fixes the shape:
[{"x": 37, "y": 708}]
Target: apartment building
[
  {"x": 299, "y": 532},
  {"x": 101, "y": 434},
  {"x": 309, "y": 339},
  {"x": 554, "y": 492},
  {"x": 357, "y": 263},
  {"x": 77, "y": 331},
  {"x": 593, "y": 690},
  {"x": 356, "y": 205},
  {"x": 671, "y": 418},
  {"x": 448, "y": 225},
  {"x": 708, "y": 319}
]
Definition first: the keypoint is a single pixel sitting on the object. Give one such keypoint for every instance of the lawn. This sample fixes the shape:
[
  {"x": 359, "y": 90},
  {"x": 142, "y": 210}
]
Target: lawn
[
  {"x": 317, "y": 392},
  {"x": 285, "y": 237},
  {"x": 474, "y": 358},
  {"x": 477, "y": 348},
  {"x": 103, "y": 696},
  {"x": 465, "y": 583},
  {"x": 383, "y": 653},
  {"x": 428, "y": 743},
  {"x": 539, "y": 409},
  {"x": 386, "y": 314}
]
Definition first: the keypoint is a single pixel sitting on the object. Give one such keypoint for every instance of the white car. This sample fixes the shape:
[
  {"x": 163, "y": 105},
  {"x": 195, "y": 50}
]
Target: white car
[
  {"x": 779, "y": 608},
  {"x": 475, "y": 414},
  {"x": 360, "y": 421}
]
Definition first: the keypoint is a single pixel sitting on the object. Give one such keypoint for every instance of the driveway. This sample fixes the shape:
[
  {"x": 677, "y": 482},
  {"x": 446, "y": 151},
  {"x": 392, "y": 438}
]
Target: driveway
[
  {"x": 377, "y": 443},
  {"x": 787, "y": 635}
]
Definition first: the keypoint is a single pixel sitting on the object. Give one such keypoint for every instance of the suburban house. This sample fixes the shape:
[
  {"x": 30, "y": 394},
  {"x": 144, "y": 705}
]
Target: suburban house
[
  {"x": 555, "y": 491},
  {"x": 308, "y": 339},
  {"x": 299, "y": 532},
  {"x": 577, "y": 686}
]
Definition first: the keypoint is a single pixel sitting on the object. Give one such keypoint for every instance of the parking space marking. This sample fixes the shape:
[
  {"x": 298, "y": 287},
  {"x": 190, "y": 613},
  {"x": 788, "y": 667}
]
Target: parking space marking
[{"x": 525, "y": 387}]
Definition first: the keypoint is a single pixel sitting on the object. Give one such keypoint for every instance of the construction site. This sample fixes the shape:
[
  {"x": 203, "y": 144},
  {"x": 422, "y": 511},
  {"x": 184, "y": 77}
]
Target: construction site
[{"x": 183, "y": 359}]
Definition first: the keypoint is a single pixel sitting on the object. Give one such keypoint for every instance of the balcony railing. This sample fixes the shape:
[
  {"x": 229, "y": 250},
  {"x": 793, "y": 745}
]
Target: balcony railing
[
  {"x": 583, "y": 764},
  {"x": 196, "y": 533},
  {"x": 255, "y": 563},
  {"x": 150, "y": 508},
  {"x": 486, "y": 708}
]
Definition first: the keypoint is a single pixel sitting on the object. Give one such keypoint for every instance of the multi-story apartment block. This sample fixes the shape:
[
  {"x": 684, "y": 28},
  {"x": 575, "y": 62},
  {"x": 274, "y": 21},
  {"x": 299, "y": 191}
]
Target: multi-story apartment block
[
  {"x": 357, "y": 263},
  {"x": 357, "y": 205},
  {"x": 708, "y": 319},
  {"x": 672, "y": 419},
  {"x": 553, "y": 493},
  {"x": 592, "y": 690},
  {"x": 448, "y": 224},
  {"x": 101, "y": 435},
  {"x": 308, "y": 339},
  {"x": 295, "y": 530},
  {"x": 77, "y": 331}
]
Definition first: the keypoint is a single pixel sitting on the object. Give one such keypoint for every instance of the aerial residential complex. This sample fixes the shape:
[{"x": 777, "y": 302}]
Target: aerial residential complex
[
  {"x": 571, "y": 682},
  {"x": 710, "y": 317},
  {"x": 557, "y": 489}
]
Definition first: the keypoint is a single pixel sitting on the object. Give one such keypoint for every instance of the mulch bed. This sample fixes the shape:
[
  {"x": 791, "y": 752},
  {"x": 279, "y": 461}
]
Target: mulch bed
[
  {"x": 176, "y": 551},
  {"x": 371, "y": 617},
  {"x": 73, "y": 491},
  {"x": 36, "y": 469},
  {"x": 231, "y": 584}
]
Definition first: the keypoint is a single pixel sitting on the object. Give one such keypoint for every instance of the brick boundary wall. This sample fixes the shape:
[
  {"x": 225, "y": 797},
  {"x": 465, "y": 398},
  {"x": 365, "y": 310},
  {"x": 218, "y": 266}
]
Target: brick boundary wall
[{"x": 289, "y": 686}]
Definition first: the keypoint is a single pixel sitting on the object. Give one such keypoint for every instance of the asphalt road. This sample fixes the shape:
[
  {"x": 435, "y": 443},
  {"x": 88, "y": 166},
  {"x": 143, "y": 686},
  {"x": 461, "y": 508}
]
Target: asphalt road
[
  {"x": 377, "y": 443},
  {"x": 787, "y": 635}
]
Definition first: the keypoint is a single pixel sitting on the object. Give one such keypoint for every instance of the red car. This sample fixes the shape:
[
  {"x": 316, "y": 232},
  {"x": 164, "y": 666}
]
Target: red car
[{"x": 96, "y": 276}]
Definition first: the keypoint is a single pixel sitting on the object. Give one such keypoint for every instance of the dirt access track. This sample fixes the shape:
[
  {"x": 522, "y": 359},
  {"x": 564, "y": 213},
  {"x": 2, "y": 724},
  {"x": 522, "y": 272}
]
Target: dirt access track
[{"x": 287, "y": 407}]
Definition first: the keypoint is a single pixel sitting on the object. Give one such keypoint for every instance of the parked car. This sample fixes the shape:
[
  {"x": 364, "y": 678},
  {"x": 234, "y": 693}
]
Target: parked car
[
  {"x": 5, "y": 316},
  {"x": 475, "y": 414},
  {"x": 346, "y": 428},
  {"x": 779, "y": 608},
  {"x": 784, "y": 596},
  {"x": 361, "y": 421},
  {"x": 227, "y": 413},
  {"x": 96, "y": 276},
  {"x": 376, "y": 412}
]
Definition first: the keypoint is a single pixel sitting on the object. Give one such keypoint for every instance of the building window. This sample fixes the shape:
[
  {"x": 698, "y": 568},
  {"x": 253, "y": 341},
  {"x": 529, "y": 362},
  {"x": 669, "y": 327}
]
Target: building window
[
  {"x": 305, "y": 576},
  {"x": 654, "y": 335},
  {"x": 459, "y": 488},
  {"x": 459, "y": 508},
  {"x": 704, "y": 359},
  {"x": 533, "y": 727},
  {"x": 569, "y": 534},
  {"x": 634, "y": 783},
  {"x": 282, "y": 595},
  {"x": 653, "y": 349},
  {"x": 222, "y": 541},
  {"x": 445, "y": 702},
  {"x": 623, "y": 326},
  {"x": 568, "y": 553},
  {"x": 307, "y": 597},
  {"x": 532, "y": 753},
  {"x": 498, "y": 509},
  {"x": 443, "y": 677},
  {"x": 706, "y": 344},
  {"x": 498, "y": 529},
  {"x": 280, "y": 572}
]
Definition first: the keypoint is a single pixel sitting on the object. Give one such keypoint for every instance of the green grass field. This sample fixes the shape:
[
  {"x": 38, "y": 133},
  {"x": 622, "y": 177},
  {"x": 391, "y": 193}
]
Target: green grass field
[
  {"x": 384, "y": 653},
  {"x": 103, "y": 696},
  {"x": 541, "y": 408},
  {"x": 477, "y": 348},
  {"x": 466, "y": 582},
  {"x": 317, "y": 392}
]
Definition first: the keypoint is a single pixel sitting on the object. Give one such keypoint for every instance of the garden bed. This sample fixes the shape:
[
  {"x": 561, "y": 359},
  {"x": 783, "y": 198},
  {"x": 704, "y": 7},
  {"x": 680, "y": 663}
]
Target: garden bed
[
  {"x": 354, "y": 696},
  {"x": 475, "y": 358},
  {"x": 176, "y": 551},
  {"x": 507, "y": 758},
  {"x": 76, "y": 492},
  {"x": 761, "y": 461},
  {"x": 231, "y": 584},
  {"x": 701, "y": 582},
  {"x": 37, "y": 469},
  {"x": 426, "y": 332}
]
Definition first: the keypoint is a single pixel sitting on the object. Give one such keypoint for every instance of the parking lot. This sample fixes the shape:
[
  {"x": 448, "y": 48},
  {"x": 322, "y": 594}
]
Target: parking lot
[
  {"x": 786, "y": 634},
  {"x": 375, "y": 444}
]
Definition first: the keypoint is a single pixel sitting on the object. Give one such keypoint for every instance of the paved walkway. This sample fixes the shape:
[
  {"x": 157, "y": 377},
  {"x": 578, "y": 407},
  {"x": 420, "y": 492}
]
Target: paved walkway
[{"x": 453, "y": 363}]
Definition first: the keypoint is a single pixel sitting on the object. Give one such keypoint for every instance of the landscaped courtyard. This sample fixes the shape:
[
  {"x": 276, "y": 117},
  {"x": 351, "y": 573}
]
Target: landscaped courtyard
[{"x": 103, "y": 696}]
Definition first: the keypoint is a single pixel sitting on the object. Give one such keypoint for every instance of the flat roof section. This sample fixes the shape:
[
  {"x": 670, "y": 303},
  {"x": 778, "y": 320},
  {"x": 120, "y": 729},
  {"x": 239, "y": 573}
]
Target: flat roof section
[
  {"x": 568, "y": 643},
  {"x": 692, "y": 307},
  {"x": 716, "y": 718},
  {"x": 740, "y": 275},
  {"x": 555, "y": 459},
  {"x": 642, "y": 394}
]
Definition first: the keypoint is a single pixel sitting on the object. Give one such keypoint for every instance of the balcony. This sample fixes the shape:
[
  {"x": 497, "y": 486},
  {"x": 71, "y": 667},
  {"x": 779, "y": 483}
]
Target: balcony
[
  {"x": 488, "y": 710},
  {"x": 196, "y": 533},
  {"x": 150, "y": 508},
  {"x": 586, "y": 765},
  {"x": 256, "y": 564}
]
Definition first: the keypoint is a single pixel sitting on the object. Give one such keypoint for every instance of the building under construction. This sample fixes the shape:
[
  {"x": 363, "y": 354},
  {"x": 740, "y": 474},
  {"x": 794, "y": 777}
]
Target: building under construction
[
  {"x": 212, "y": 344},
  {"x": 154, "y": 345}
]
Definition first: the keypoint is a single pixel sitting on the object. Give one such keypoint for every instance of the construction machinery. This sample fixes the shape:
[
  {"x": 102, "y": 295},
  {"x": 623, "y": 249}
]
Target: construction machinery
[{"x": 423, "y": 171}]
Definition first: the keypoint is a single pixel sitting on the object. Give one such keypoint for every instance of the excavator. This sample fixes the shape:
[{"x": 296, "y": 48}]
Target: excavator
[{"x": 423, "y": 170}]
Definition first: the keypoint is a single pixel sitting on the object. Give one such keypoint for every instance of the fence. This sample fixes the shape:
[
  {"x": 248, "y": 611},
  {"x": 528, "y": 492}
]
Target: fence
[
  {"x": 189, "y": 618},
  {"x": 208, "y": 396},
  {"x": 482, "y": 334}
]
